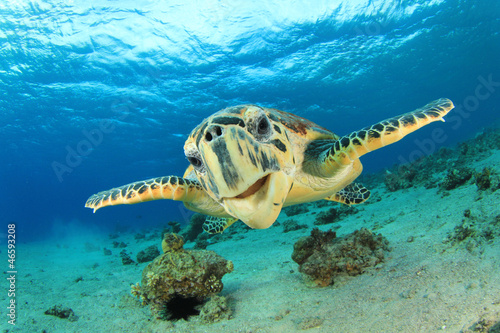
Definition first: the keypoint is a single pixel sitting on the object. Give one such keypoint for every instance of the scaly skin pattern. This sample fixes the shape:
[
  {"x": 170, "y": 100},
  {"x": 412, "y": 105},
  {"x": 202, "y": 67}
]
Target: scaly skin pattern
[{"x": 248, "y": 162}]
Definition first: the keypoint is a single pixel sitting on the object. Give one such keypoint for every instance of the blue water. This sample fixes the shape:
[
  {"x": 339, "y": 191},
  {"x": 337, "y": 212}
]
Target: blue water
[{"x": 137, "y": 76}]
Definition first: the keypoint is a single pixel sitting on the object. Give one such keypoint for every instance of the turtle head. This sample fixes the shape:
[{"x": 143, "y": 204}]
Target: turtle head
[{"x": 243, "y": 160}]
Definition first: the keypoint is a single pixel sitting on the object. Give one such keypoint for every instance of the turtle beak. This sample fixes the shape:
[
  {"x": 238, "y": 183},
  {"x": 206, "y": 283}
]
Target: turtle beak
[{"x": 259, "y": 205}]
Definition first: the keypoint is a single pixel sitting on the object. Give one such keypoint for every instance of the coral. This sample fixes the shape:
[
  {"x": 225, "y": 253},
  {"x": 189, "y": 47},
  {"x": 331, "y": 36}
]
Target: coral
[
  {"x": 62, "y": 312},
  {"x": 323, "y": 256},
  {"x": 296, "y": 209},
  {"x": 480, "y": 146},
  {"x": 487, "y": 179},
  {"x": 328, "y": 216},
  {"x": 135, "y": 290},
  {"x": 310, "y": 322},
  {"x": 474, "y": 231},
  {"x": 120, "y": 245},
  {"x": 334, "y": 214},
  {"x": 488, "y": 323},
  {"x": 215, "y": 309},
  {"x": 402, "y": 179},
  {"x": 153, "y": 236},
  {"x": 126, "y": 260},
  {"x": 113, "y": 236},
  {"x": 194, "y": 227},
  {"x": 306, "y": 246},
  {"x": 201, "y": 242},
  {"x": 465, "y": 230},
  {"x": 175, "y": 227},
  {"x": 426, "y": 170},
  {"x": 181, "y": 277},
  {"x": 172, "y": 242},
  {"x": 482, "y": 179},
  {"x": 148, "y": 254},
  {"x": 292, "y": 225},
  {"x": 322, "y": 203},
  {"x": 139, "y": 236},
  {"x": 236, "y": 230},
  {"x": 422, "y": 172},
  {"x": 456, "y": 177},
  {"x": 107, "y": 252}
]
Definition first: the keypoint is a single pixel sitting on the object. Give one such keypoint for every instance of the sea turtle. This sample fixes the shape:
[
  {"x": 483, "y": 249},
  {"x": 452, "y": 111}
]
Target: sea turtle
[{"x": 248, "y": 162}]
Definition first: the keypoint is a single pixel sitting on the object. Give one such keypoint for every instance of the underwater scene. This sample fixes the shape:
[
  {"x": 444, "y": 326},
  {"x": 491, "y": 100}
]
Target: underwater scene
[{"x": 276, "y": 166}]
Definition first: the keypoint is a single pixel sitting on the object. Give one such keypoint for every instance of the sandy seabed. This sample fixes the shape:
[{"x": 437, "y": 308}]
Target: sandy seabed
[{"x": 424, "y": 285}]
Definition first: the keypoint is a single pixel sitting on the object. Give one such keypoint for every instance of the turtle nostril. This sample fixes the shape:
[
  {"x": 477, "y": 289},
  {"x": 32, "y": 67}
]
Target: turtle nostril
[
  {"x": 213, "y": 133},
  {"x": 218, "y": 130}
]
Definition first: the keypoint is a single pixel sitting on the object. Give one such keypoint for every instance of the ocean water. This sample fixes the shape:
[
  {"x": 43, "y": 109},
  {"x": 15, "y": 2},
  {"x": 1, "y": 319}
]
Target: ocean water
[{"x": 96, "y": 94}]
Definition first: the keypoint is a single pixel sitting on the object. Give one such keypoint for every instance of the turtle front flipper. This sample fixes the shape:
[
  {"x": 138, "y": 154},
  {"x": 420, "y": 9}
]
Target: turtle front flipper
[
  {"x": 350, "y": 148},
  {"x": 215, "y": 225},
  {"x": 352, "y": 194},
  {"x": 169, "y": 187}
]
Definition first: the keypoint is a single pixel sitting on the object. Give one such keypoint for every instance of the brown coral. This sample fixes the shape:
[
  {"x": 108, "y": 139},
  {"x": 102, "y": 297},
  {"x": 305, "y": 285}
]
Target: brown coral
[
  {"x": 482, "y": 179},
  {"x": 180, "y": 275},
  {"x": 323, "y": 256},
  {"x": 456, "y": 177},
  {"x": 215, "y": 309},
  {"x": 171, "y": 242}
]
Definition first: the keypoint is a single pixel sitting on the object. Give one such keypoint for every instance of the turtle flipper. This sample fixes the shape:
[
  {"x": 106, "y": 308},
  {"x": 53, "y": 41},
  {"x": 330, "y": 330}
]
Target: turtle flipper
[
  {"x": 215, "y": 225},
  {"x": 351, "y": 147},
  {"x": 169, "y": 187},
  {"x": 352, "y": 194}
]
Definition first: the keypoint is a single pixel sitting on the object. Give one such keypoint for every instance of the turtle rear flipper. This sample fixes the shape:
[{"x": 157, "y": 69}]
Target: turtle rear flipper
[
  {"x": 351, "y": 147},
  {"x": 352, "y": 194},
  {"x": 168, "y": 187}
]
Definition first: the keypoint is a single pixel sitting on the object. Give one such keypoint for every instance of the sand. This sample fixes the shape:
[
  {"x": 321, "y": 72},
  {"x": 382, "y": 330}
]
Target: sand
[{"x": 424, "y": 284}]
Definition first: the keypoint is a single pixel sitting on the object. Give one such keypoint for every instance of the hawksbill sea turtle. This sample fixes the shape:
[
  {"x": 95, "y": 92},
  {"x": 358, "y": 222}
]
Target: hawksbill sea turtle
[{"x": 248, "y": 162}]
